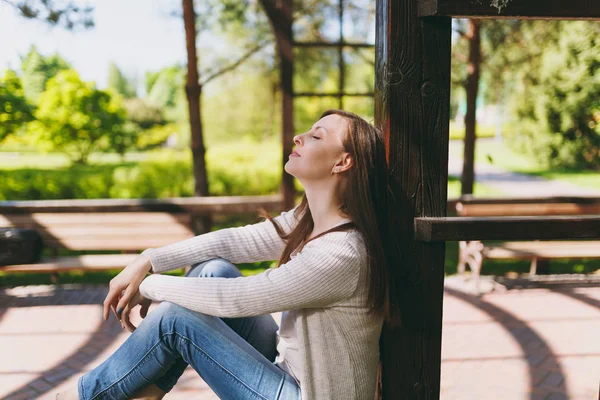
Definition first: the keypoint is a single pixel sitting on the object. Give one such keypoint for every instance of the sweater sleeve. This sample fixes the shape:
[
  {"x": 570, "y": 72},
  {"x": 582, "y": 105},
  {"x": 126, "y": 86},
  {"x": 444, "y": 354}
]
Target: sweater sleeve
[
  {"x": 325, "y": 272},
  {"x": 250, "y": 243}
]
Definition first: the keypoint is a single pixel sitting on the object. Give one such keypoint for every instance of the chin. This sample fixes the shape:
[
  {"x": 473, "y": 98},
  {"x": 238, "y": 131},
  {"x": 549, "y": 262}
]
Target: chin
[{"x": 287, "y": 169}]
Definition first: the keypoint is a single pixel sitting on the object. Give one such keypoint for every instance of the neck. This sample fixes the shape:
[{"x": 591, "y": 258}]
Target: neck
[{"x": 324, "y": 202}]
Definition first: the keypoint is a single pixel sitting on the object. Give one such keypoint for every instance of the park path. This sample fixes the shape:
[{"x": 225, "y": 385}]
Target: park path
[
  {"x": 512, "y": 183},
  {"x": 520, "y": 344}
]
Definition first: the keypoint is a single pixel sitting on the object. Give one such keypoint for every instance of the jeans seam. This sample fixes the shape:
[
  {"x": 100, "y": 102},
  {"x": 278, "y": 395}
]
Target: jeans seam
[
  {"x": 224, "y": 369},
  {"x": 81, "y": 387},
  {"x": 194, "y": 345},
  {"x": 131, "y": 370}
]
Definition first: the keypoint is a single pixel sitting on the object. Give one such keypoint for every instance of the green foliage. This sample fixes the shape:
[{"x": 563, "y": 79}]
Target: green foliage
[
  {"x": 166, "y": 88},
  {"x": 15, "y": 110},
  {"x": 558, "y": 109},
  {"x": 66, "y": 14},
  {"x": 244, "y": 168},
  {"x": 37, "y": 70},
  {"x": 141, "y": 113},
  {"x": 155, "y": 136},
  {"x": 75, "y": 118},
  {"x": 119, "y": 83},
  {"x": 243, "y": 105},
  {"x": 76, "y": 182}
]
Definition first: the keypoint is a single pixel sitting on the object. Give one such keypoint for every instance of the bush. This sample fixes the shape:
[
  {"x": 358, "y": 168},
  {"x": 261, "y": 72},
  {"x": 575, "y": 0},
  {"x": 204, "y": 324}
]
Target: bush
[
  {"x": 233, "y": 170},
  {"x": 558, "y": 112}
]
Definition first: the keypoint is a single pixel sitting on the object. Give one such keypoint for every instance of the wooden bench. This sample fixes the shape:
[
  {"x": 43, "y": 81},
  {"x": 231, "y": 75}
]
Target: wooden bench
[
  {"x": 473, "y": 253},
  {"x": 124, "y": 228}
]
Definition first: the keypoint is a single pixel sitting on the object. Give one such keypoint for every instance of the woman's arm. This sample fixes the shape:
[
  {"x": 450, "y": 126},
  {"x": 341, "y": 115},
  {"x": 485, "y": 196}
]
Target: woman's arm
[
  {"x": 326, "y": 271},
  {"x": 250, "y": 243}
]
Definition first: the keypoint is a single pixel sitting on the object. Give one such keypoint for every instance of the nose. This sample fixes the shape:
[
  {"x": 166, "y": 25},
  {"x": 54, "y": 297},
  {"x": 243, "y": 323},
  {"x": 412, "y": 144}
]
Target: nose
[{"x": 297, "y": 140}]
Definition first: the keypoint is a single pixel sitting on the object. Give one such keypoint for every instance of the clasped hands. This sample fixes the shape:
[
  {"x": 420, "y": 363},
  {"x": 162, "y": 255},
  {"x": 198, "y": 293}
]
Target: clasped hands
[{"x": 124, "y": 294}]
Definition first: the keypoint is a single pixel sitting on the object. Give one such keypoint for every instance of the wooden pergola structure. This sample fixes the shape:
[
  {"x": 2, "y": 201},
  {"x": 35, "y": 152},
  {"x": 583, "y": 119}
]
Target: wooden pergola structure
[{"x": 412, "y": 102}]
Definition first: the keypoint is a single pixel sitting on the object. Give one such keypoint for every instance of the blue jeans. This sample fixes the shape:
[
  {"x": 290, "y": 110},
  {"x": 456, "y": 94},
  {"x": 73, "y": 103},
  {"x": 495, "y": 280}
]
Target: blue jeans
[{"x": 234, "y": 356}]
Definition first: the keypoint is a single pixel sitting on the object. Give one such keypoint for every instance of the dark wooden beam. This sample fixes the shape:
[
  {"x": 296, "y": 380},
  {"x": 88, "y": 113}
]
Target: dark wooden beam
[
  {"x": 515, "y": 9},
  {"x": 193, "y": 205},
  {"x": 507, "y": 228},
  {"x": 529, "y": 200},
  {"x": 412, "y": 102},
  {"x": 279, "y": 13}
]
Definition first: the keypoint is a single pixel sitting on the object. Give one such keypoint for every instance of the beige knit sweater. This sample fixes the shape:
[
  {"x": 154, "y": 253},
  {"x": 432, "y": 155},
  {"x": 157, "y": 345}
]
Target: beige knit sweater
[{"x": 325, "y": 281}]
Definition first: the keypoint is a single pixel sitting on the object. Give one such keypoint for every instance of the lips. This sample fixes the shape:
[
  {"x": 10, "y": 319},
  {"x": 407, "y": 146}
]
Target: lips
[{"x": 294, "y": 154}]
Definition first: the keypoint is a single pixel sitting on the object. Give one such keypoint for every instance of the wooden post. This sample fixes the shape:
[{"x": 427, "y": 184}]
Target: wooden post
[
  {"x": 412, "y": 102},
  {"x": 280, "y": 17}
]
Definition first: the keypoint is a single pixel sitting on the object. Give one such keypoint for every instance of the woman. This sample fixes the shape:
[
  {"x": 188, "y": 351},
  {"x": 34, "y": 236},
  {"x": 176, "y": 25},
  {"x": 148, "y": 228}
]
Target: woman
[{"x": 331, "y": 284}]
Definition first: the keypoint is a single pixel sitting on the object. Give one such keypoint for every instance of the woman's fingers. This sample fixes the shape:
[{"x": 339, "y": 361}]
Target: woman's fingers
[
  {"x": 124, "y": 300},
  {"x": 110, "y": 302},
  {"x": 125, "y": 321}
]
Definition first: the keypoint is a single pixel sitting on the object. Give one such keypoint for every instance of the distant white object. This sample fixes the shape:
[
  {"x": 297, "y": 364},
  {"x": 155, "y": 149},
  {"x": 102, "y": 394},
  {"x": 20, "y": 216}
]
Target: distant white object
[{"x": 171, "y": 141}]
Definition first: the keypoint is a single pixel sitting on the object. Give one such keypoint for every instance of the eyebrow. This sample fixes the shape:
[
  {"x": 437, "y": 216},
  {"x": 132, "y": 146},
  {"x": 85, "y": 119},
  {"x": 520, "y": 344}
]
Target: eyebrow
[{"x": 322, "y": 127}]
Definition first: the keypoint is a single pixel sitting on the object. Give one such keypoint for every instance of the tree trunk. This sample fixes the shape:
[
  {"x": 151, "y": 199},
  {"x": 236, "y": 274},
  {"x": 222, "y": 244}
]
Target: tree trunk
[
  {"x": 193, "y": 91},
  {"x": 472, "y": 87}
]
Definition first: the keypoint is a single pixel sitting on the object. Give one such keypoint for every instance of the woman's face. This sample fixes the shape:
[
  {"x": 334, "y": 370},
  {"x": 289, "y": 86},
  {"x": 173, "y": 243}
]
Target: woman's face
[{"x": 320, "y": 150}]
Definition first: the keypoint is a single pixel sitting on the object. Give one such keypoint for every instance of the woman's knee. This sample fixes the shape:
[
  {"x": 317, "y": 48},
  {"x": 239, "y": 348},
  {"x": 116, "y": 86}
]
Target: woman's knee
[{"x": 214, "y": 268}]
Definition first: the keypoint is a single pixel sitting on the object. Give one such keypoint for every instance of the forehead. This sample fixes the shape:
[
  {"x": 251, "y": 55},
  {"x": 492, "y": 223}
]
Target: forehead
[{"x": 334, "y": 123}]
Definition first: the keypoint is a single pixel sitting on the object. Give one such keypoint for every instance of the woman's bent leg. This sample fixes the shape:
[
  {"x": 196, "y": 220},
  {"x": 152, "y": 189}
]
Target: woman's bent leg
[
  {"x": 227, "y": 363},
  {"x": 260, "y": 331}
]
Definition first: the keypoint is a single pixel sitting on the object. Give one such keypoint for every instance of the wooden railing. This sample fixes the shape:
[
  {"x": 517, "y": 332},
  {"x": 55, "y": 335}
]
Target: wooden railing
[{"x": 191, "y": 205}]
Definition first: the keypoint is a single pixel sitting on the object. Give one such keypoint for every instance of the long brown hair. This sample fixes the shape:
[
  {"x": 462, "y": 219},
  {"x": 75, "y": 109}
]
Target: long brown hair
[{"x": 366, "y": 203}]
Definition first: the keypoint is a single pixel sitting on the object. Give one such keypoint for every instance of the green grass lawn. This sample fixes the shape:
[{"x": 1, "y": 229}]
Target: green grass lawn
[{"x": 480, "y": 190}]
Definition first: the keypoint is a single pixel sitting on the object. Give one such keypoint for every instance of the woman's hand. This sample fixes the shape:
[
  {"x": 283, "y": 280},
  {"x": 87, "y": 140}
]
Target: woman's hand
[
  {"x": 125, "y": 285},
  {"x": 136, "y": 299}
]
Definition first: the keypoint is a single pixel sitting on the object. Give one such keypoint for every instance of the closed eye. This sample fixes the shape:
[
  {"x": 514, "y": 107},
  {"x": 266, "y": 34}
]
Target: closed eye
[{"x": 316, "y": 137}]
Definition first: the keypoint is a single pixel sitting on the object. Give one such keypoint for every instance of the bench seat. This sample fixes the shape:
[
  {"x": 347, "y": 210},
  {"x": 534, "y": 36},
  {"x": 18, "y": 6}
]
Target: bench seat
[
  {"x": 543, "y": 250},
  {"x": 88, "y": 262},
  {"x": 473, "y": 253}
]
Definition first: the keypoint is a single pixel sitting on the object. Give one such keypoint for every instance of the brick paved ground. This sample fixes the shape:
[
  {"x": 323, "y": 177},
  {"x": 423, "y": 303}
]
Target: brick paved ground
[{"x": 520, "y": 344}]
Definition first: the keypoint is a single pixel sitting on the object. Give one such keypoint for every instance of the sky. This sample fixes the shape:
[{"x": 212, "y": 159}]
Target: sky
[{"x": 137, "y": 35}]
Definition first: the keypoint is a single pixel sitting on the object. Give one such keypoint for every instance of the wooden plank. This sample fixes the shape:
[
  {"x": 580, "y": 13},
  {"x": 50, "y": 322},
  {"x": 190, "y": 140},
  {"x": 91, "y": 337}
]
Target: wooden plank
[
  {"x": 506, "y": 228},
  {"x": 412, "y": 101},
  {"x": 85, "y": 262},
  {"x": 103, "y": 231},
  {"x": 114, "y": 243},
  {"x": 94, "y": 219},
  {"x": 474, "y": 210},
  {"x": 520, "y": 9},
  {"x": 193, "y": 205},
  {"x": 469, "y": 199},
  {"x": 549, "y": 250}
]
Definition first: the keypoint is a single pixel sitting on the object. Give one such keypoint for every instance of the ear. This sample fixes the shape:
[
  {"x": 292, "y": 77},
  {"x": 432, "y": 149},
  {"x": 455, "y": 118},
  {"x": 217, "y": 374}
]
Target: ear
[{"x": 343, "y": 164}]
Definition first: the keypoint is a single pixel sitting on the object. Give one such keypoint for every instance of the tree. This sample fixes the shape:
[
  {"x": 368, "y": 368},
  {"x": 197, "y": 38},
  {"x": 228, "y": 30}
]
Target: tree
[
  {"x": 61, "y": 13},
  {"x": 194, "y": 23},
  {"x": 165, "y": 87},
  {"x": 482, "y": 51},
  {"x": 557, "y": 105},
  {"x": 37, "y": 69},
  {"x": 75, "y": 118},
  {"x": 15, "y": 110},
  {"x": 119, "y": 83}
]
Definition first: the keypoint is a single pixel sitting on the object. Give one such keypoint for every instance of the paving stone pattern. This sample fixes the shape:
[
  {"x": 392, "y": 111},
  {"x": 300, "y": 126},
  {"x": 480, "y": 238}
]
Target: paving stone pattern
[{"x": 515, "y": 344}]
